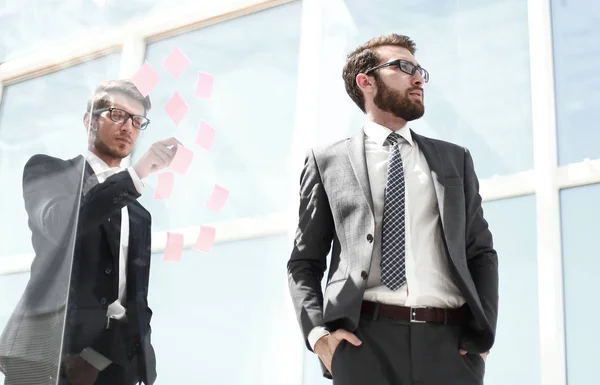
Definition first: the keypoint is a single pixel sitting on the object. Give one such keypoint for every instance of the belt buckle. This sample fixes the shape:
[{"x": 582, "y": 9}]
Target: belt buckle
[{"x": 413, "y": 314}]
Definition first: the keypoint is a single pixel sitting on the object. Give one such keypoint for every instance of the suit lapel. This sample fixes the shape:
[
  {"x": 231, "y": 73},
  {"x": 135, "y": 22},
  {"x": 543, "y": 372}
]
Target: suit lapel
[
  {"x": 434, "y": 160},
  {"x": 358, "y": 160}
]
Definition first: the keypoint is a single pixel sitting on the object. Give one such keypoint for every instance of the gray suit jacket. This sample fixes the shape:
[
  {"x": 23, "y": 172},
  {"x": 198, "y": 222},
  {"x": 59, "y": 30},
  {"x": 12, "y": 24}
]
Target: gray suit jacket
[{"x": 336, "y": 207}]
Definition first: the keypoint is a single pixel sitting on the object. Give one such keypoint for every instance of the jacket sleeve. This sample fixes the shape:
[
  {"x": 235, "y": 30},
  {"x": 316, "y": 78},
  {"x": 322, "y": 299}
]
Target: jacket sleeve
[{"x": 308, "y": 260}]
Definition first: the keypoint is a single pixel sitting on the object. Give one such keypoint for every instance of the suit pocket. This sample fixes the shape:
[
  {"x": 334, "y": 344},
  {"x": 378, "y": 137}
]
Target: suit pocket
[{"x": 456, "y": 181}]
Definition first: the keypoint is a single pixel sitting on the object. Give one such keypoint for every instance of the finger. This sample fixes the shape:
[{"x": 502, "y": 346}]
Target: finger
[
  {"x": 350, "y": 337},
  {"x": 462, "y": 352},
  {"x": 169, "y": 142},
  {"x": 164, "y": 154}
]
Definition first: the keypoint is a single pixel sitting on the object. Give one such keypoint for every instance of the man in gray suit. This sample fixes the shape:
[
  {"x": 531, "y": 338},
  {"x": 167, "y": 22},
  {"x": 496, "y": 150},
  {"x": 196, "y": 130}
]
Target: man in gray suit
[{"x": 412, "y": 290}]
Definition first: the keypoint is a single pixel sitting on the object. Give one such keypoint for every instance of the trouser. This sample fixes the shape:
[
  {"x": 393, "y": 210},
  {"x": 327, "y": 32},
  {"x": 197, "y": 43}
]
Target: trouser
[{"x": 397, "y": 352}]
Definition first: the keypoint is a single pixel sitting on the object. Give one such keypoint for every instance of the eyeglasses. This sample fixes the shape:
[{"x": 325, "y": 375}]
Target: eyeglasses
[
  {"x": 118, "y": 115},
  {"x": 404, "y": 66}
]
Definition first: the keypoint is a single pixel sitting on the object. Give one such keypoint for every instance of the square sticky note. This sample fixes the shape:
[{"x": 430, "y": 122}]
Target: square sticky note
[
  {"x": 206, "y": 136},
  {"x": 217, "y": 199},
  {"x": 176, "y": 63},
  {"x": 204, "y": 86},
  {"x": 164, "y": 185},
  {"x": 174, "y": 247},
  {"x": 176, "y": 108},
  {"x": 145, "y": 79},
  {"x": 206, "y": 238},
  {"x": 182, "y": 160}
]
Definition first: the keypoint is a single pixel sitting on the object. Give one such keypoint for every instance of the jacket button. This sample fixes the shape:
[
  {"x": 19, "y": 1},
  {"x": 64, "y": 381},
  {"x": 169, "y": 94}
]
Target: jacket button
[
  {"x": 108, "y": 270},
  {"x": 369, "y": 238},
  {"x": 103, "y": 301},
  {"x": 116, "y": 200},
  {"x": 364, "y": 275}
]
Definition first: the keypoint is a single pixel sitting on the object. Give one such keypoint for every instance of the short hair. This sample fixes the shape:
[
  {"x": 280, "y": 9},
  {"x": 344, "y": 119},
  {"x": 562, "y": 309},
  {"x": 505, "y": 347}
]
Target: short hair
[
  {"x": 123, "y": 86},
  {"x": 365, "y": 57}
]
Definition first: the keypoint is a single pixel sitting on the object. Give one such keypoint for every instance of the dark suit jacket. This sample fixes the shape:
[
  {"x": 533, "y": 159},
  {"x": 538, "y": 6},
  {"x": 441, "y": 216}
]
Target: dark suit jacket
[
  {"x": 336, "y": 207},
  {"x": 77, "y": 265}
]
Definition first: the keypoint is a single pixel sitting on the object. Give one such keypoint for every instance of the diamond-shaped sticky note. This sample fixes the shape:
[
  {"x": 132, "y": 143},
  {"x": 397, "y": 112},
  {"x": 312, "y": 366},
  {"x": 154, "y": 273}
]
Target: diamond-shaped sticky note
[
  {"x": 182, "y": 160},
  {"x": 206, "y": 136},
  {"x": 174, "y": 247},
  {"x": 217, "y": 199},
  {"x": 145, "y": 79},
  {"x": 164, "y": 186},
  {"x": 206, "y": 239},
  {"x": 176, "y": 63},
  {"x": 204, "y": 86},
  {"x": 176, "y": 108}
]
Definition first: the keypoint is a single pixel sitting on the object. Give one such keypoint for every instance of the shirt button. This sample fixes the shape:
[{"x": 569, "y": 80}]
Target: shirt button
[
  {"x": 369, "y": 238},
  {"x": 364, "y": 275},
  {"x": 108, "y": 270}
]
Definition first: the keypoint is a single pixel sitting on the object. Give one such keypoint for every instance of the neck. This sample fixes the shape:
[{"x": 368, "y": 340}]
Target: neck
[
  {"x": 386, "y": 119},
  {"x": 109, "y": 160}
]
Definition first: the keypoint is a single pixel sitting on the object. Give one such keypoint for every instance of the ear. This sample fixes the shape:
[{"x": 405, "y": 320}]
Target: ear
[
  {"x": 365, "y": 83},
  {"x": 88, "y": 122}
]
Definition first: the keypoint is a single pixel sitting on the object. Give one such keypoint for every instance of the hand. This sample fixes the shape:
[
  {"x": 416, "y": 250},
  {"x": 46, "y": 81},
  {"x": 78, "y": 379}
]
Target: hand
[
  {"x": 158, "y": 157},
  {"x": 326, "y": 345},
  {"x": 483, "y": 355},
  {"x": 80, "y": 372}
]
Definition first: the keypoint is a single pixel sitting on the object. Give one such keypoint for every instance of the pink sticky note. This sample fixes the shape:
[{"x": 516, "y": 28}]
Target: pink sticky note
[
  {"x": 206, "y": 238},
  {"x": 145, "y": 79},
  {"x": 176, "y": 63},
  {"x": 217, "y": 199},
  {"x": 182, "y": 160},
  {"x": 176, "y": 108},
  {"x": 206, "y": 136},
  {"x": 204, "y": 86},
  {"x": 164, "y": 187},
  {"x": 174, "y": 247}
]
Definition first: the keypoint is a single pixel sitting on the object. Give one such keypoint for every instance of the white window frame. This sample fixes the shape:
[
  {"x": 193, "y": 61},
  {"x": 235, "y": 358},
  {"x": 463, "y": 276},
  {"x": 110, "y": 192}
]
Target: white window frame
[{"x": 545, "y": 180}]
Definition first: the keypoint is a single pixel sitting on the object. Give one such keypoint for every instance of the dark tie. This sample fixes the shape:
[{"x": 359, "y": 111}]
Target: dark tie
[{"x": 393, "y": 271}]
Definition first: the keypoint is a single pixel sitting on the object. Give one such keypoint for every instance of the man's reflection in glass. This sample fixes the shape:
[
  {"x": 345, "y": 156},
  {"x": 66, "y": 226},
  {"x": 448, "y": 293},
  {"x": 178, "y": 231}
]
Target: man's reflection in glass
[{"x": 92, "y": 242}]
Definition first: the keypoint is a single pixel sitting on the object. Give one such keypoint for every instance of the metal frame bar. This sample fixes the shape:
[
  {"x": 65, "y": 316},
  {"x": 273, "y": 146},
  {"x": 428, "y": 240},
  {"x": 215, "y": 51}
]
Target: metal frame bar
[{"x": 547, "y": 185}]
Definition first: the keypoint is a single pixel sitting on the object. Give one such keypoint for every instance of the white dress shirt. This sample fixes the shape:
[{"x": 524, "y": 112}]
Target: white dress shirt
[
  {"x": 115, "y": 309},
  {"x": 428, "y": 278}
]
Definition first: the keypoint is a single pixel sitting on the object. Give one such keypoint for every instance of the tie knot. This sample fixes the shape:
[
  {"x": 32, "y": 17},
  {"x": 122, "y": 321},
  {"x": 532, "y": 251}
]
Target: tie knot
[{"x": 393, "y": 138}]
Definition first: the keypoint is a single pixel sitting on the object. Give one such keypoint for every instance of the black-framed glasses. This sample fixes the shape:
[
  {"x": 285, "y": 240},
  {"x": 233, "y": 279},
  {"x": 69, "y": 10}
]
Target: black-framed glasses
[
  {"x": 404, "y": 66},
  {"x": 118, "y": 115}
]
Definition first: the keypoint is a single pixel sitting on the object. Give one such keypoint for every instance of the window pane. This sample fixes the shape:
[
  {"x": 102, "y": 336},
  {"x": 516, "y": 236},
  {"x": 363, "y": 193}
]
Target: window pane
[
  {"x": 478, "y": 56},
  {"x": 251, "y": 109},
  {"x": 219, "y": 313},
  {"x": 42, "y": 116},
  {"x": 576, "y": 32},
  {"x": 580, "y": 215},
  {"x": 513, "y": 224}
]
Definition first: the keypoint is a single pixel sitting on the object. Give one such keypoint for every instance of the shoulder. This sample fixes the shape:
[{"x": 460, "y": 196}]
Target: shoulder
[{"x": 46, "y": 165}]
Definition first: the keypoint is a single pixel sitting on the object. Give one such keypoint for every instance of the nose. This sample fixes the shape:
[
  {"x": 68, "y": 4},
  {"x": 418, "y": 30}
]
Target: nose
[
  {"x": 128, "y": 124},
  {"x": 418, "y": 79}
]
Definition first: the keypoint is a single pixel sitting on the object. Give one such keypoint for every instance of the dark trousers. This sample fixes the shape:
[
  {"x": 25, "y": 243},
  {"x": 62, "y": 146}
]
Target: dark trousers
[{"x": 395, "y": 352}]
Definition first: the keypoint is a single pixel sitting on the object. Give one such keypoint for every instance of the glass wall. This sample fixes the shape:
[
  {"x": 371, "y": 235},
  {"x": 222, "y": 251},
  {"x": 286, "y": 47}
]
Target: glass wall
[
  {"x": 580, "y": 214},
  {"x": 251, "y": 109},
  {"x": 576, "y": 32}
]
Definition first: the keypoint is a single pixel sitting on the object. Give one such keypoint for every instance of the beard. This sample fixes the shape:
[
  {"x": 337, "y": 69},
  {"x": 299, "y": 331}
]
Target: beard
[
  {"x": 102, "y": 147},
  {"x": 401, "y": 106}
]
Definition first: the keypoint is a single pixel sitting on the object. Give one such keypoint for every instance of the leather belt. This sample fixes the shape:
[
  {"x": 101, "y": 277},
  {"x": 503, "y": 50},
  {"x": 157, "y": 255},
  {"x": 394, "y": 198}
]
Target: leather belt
[{"x": 418, "y": 314}]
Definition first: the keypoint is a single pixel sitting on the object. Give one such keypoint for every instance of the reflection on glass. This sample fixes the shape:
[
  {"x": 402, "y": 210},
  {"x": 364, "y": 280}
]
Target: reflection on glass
[
  {"x": 230, "y": 334},
  {"x": 576, "y": 32},
  {"x": 42, "y": 116},
  {"x": 580, "y": 214},
  {"x": 477, "y": 54},
  {"x": 251, "y": 109}
]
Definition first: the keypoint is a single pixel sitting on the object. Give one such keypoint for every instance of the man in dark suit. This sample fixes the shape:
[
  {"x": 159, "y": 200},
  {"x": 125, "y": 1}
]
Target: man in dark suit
[
  {"x": 412, "y": 291},
  {"x": 84, "y": 317}
]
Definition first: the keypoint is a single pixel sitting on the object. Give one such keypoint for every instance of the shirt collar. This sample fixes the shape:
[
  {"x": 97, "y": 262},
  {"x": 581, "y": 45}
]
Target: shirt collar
[
  {"x": 98, "y": 165},
  {"x": 379, "y": 133}
]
